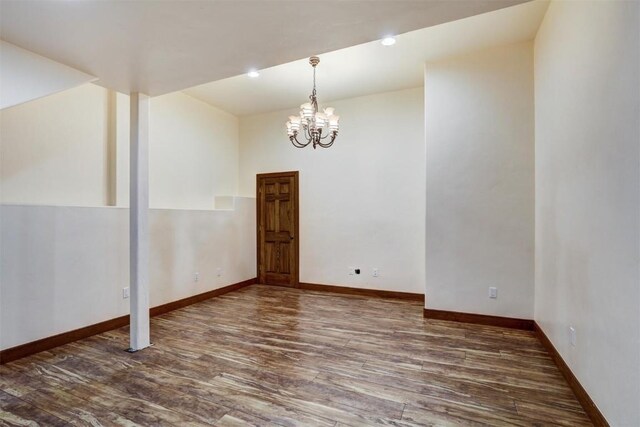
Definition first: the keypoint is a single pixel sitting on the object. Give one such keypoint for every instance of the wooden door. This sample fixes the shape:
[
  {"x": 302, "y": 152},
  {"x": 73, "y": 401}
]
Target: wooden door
[{"x": 277, "y": 228}]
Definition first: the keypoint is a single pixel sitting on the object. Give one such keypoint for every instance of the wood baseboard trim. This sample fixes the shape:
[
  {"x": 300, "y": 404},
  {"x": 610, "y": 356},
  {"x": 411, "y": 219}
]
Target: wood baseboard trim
[
  {"x": 583, "y": 397},
  {"x": 27, "y": 349},
  {"x": 480, "y": 319},
  {"x": 362, "y": 292},
  {"x": 174, "y": 305},
  {"x": 33, "y": 347}
]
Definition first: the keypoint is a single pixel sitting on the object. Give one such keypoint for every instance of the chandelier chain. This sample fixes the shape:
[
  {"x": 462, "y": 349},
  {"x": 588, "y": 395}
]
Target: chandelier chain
[{"x": 313, "y": 97}]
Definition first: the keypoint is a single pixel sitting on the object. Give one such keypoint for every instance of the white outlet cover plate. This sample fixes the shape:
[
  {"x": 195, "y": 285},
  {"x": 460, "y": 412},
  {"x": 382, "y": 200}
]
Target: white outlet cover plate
[{"x": 572, "y": 336}]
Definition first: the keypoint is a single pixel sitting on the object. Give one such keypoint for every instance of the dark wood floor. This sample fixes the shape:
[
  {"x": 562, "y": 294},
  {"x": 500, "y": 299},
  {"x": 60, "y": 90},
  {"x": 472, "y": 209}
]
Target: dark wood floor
[{"x": 275, "y": 356}]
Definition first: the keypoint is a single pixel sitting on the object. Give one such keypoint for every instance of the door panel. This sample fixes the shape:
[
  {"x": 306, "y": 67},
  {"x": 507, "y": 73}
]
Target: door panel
[
  {"x": 285, "y": 222},
  {"x": 277, "y": 220},
  {"x": 284, "y": 263},
  {"x": 270, "y": 216},
  {"x": 271, "y": 264}
]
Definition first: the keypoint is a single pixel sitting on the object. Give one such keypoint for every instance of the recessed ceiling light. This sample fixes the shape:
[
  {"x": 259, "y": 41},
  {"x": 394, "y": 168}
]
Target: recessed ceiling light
[
  {"x": 388, "y": 41},
  {"x": 253, "y": 74}
]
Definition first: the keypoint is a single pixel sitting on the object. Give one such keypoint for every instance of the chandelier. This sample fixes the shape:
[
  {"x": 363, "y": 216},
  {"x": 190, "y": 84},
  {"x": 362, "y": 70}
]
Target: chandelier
[{"x": 315, "y": 126}]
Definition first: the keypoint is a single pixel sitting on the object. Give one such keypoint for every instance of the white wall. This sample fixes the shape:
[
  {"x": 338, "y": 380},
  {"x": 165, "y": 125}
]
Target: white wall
[
  {"x": 25, "y": 76},
  {"x": 54, "y": 150},
  {"x": 480, "y": 182},
  {"x": 587, "y": 196},
  {"x": 63, "y": 268},
  {"x": 184, "y": 242},
  {"x": 362, "y": 200},
  {"x": 193, "y": 153}
]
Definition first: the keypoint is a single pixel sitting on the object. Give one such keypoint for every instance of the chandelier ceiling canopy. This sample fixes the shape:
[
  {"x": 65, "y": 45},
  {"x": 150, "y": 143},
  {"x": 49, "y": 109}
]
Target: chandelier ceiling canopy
[{"x": 312, "y": 124}]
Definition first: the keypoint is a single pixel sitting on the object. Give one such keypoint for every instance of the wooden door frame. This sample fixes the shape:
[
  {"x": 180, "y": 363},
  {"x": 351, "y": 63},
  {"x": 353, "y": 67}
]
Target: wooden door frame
[{"x": 296, "y": 207}]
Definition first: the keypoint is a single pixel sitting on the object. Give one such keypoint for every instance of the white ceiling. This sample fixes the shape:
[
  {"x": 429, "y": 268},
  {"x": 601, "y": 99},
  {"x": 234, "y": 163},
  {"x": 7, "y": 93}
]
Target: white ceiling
[
  {"x": 158, "y": 46},
  {"x": 27, "y": 76},
  {"x": 371, "y": 68}
]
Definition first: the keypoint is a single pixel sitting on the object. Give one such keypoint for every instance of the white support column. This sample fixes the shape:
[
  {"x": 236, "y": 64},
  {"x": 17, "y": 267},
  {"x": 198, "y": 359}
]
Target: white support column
[
  {"x": 139, "y": 222},
  {"x": 112, "y": 148}
]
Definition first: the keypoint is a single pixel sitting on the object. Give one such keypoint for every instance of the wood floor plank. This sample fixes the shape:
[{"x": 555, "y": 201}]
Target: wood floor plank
[
  {"x": 75, "y": 410},
  {"x": 268, "y": 356},
  {"x": 240, "y": 419},
  {"x": 16, "y": 412}
]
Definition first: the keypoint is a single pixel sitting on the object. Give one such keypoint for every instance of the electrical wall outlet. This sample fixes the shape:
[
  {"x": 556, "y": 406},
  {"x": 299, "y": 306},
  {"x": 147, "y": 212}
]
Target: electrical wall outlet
[
  {"x": 196, "y": 276},
  {"x": 218, "y": 272},
  {"x": 493, "y": 292},
  {"x": 572, "y": 336},
  {"x": 376, "y": 272},
  {"x": 125, "y": 293}
]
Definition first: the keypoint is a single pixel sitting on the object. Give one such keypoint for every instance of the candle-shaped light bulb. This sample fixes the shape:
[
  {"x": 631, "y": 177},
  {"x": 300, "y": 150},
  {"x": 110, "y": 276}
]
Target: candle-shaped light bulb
[
  {"x": 295, "y": 123},
  {"x": 333, "y": 122},
  {"x": 306, "y": 110},
  {"x": 321, "y": 120}
]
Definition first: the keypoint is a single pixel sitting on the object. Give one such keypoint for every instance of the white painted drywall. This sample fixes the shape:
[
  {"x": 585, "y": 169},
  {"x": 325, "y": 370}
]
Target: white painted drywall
[
  {"x": 25, "y": 76},
  {"x": 193, "y": 153},
  {"x": 184, "y": 242},
  {"x": 587, "y": 69},
  {"x": 479, "y": 119},
  {"x": 53, "y": 150},
  {"x": 156, "y": 47},
  {"x": 362, "y": 200},
  {"x": 370, "y": 68},
  {"x": 63, "y": 268}
]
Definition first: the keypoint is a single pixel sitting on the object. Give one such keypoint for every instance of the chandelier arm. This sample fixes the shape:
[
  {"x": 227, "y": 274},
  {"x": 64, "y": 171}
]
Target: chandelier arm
[
  {"x": 328, "y": 135},
  {"x": 325, "y": 145},
  {"x": 296, "y": 143},
  {"x": 330, "y": 143}
]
